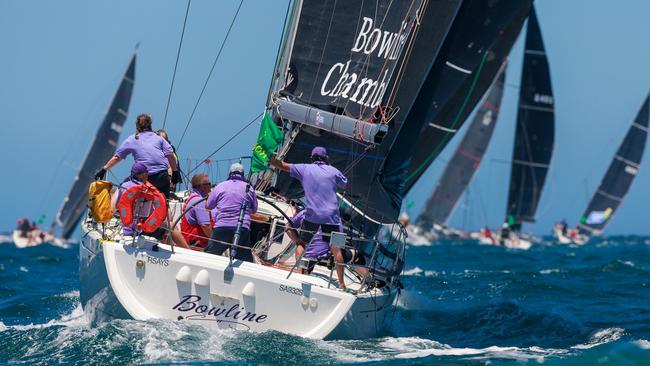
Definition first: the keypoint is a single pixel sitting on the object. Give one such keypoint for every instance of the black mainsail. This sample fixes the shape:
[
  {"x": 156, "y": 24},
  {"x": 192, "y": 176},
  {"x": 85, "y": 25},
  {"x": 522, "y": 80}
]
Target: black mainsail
[
  {"x": 482, "y": 34},
  {"x": 466, "y": 160},
  {"x": 619, "y": 177},
  {"x": 101, "y": 149},
  {"x": 361, "y": 135},
  {"x": 534, "y": 133}
]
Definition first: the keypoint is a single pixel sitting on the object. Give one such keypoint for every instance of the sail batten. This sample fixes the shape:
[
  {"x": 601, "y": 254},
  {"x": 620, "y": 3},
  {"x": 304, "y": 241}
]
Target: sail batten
[
  {"x": 534, "y": 131},
  {"x": 619, "y": 176},
  {"x": 101, "y": 149}
]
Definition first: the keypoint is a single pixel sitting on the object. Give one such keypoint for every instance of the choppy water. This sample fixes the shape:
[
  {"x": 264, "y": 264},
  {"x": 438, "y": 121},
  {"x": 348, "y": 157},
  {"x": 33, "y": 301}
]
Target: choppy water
[{"x": 464, "y": 304}]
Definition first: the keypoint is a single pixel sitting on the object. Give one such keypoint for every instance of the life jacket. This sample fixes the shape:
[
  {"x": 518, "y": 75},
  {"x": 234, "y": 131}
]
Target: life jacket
[
  {"x": 138, "y": 195},
  {"x": 99, "y": 201},
  {"x": 193, "y": 233}
]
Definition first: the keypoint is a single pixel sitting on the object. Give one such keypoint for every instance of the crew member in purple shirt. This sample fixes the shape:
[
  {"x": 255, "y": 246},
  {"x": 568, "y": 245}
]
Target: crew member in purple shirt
[
  {"x": 320, "y": 182},
  {"x": 151, "y": 150},
  {"x": 227, "y": 198}
]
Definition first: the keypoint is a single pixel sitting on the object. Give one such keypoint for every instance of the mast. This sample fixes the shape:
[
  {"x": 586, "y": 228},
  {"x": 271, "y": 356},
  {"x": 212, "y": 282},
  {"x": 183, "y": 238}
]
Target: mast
[
  {"x": 534, "y": 132},
  {"x": 466, "y": 160},
  {"x": 619, "y": 176},
  {"x": 101, "y": 149}
]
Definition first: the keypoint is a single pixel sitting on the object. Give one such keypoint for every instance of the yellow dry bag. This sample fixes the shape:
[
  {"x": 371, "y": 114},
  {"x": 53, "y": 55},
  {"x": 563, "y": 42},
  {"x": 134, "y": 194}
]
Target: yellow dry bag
[{"x": 99, "y": 200}]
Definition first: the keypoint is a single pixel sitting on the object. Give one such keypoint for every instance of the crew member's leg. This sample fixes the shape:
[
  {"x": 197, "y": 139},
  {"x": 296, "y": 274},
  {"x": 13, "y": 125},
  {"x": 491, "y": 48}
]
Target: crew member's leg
[
  {"x": 221, "y": 237},
  {"x": 160, "y": 180}
]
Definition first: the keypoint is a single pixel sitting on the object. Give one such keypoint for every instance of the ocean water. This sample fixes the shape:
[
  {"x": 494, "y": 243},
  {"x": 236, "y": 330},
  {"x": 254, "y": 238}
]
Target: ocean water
[{"x": 463, "y": 304}]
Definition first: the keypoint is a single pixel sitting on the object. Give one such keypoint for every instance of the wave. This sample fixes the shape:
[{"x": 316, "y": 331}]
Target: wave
[{"x": 601, "y": 337}]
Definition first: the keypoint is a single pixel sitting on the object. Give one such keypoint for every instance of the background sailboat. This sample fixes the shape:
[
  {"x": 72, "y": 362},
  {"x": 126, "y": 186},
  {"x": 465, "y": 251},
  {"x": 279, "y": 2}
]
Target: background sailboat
[
  {"x": 101, "y": 149},
  {"x": 534, "y": 138},
  {"x": 466, "y": 160},
  {"x": 615, "y": 184}
]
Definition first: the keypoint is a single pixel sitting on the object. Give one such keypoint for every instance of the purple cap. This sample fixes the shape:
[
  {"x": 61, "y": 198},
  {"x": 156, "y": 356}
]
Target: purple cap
[
  {"x": 138, "y": 168},
  {"x": 319, "y": 151}
]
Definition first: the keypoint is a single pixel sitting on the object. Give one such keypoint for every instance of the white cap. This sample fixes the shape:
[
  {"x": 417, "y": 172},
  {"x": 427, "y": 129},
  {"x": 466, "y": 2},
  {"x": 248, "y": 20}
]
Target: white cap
[{"x": 236, "y": 168}]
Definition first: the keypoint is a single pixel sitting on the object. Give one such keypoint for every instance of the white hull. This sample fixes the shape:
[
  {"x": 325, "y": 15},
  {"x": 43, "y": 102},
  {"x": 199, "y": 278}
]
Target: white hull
[
  {"x": 36, "y": 237},
  {"x": 576, "y": 239},
  {"x": 417, "y": 237},
  {"x": 513, "y": 241},
  {"x": 134, "y": 282}
]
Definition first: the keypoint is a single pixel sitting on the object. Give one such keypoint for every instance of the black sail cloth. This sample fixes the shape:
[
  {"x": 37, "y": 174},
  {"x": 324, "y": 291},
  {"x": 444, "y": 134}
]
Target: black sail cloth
[
  {"x": 102, "y": 148},
  {"x": 466, "y": 160},
  {"x": 362, "y": 163},
  {"x": 479, "y": 41},
  {"x": 619, "y": 177},
  {"x": 534, "y": 132}
]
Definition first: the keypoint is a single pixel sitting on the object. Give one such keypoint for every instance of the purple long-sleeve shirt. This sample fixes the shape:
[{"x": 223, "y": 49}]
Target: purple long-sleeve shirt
[
  {"x": 198, "y": 214},
  {"x": 149, "y": 149},
  {"x": 320, "y": 181},
  {"x": 227, "y": 197}
]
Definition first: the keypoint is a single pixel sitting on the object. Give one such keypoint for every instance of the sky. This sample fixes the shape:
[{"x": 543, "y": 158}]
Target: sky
[{"x": 62, "y": 60}]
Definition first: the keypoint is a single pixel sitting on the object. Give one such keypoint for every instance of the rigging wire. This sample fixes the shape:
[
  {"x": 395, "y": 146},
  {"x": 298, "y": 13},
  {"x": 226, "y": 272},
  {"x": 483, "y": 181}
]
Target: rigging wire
[
  {"x": 178, "y": 55},
  {"x": 227, "y": 142},
  {"x": 207, "y": 80}
]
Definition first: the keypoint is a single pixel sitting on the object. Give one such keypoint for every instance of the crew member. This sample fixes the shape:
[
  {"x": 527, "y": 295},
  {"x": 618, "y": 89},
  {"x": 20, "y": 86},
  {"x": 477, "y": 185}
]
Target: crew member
[
  {"x": 196, "y": 224},
  {"x": 139, "y": 176},
  {"x": 151, "y": 150},
  {"x": 319, "y": 181},
  {"x": 163, "y": 134},
  {"x": 227, "y": 197}
]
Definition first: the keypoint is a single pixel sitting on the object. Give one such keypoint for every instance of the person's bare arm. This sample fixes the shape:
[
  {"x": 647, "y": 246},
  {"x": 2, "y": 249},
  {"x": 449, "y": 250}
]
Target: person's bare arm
[
  {"x": 207, "y": 230},
  {"x": 279, "y": 164},
  {"x": 256, "y": 216},
  {"x": 171, "y": 158},
  {"x": 112, "y": 162}
]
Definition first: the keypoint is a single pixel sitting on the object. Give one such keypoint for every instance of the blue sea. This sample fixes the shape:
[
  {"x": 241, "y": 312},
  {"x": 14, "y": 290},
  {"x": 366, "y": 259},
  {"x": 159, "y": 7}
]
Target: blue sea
[{"x": 463, "y": 304}]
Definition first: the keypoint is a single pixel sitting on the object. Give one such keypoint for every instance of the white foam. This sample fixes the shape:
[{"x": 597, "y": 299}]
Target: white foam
[
  {"x": 74, "y": 319},
  {"x": 415, "y": 347},
  {"x": 74, "y": 294},
  {"x": 642, "y": 343},
  {"x": 23, "y": 269},
  {"x": 549, "y": 271},
  {"x": 601, "y": 337},
  {"x": 412, "y": 271}
]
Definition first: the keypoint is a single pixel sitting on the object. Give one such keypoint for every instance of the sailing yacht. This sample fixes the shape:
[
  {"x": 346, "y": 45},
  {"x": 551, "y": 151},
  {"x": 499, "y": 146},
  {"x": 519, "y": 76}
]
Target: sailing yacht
[
  {"x": 101, "y": 149},
  {"x": 533, "y": 147},
  {"x": 463, "y": 165},
  {"x": 337, "y": 84},
  {"x": 614, "y": 185}
]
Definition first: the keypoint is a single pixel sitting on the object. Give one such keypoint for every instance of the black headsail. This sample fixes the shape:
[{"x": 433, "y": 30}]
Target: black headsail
[
  {"x": 466, "y": 160},
  {"x": 534, "y": 133},
  {"x": 482, "y": 34},
  {"x": 619, "y": 177},
  {"x": 328, "y": 35},
  {"x": 101, "y": 149}
]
